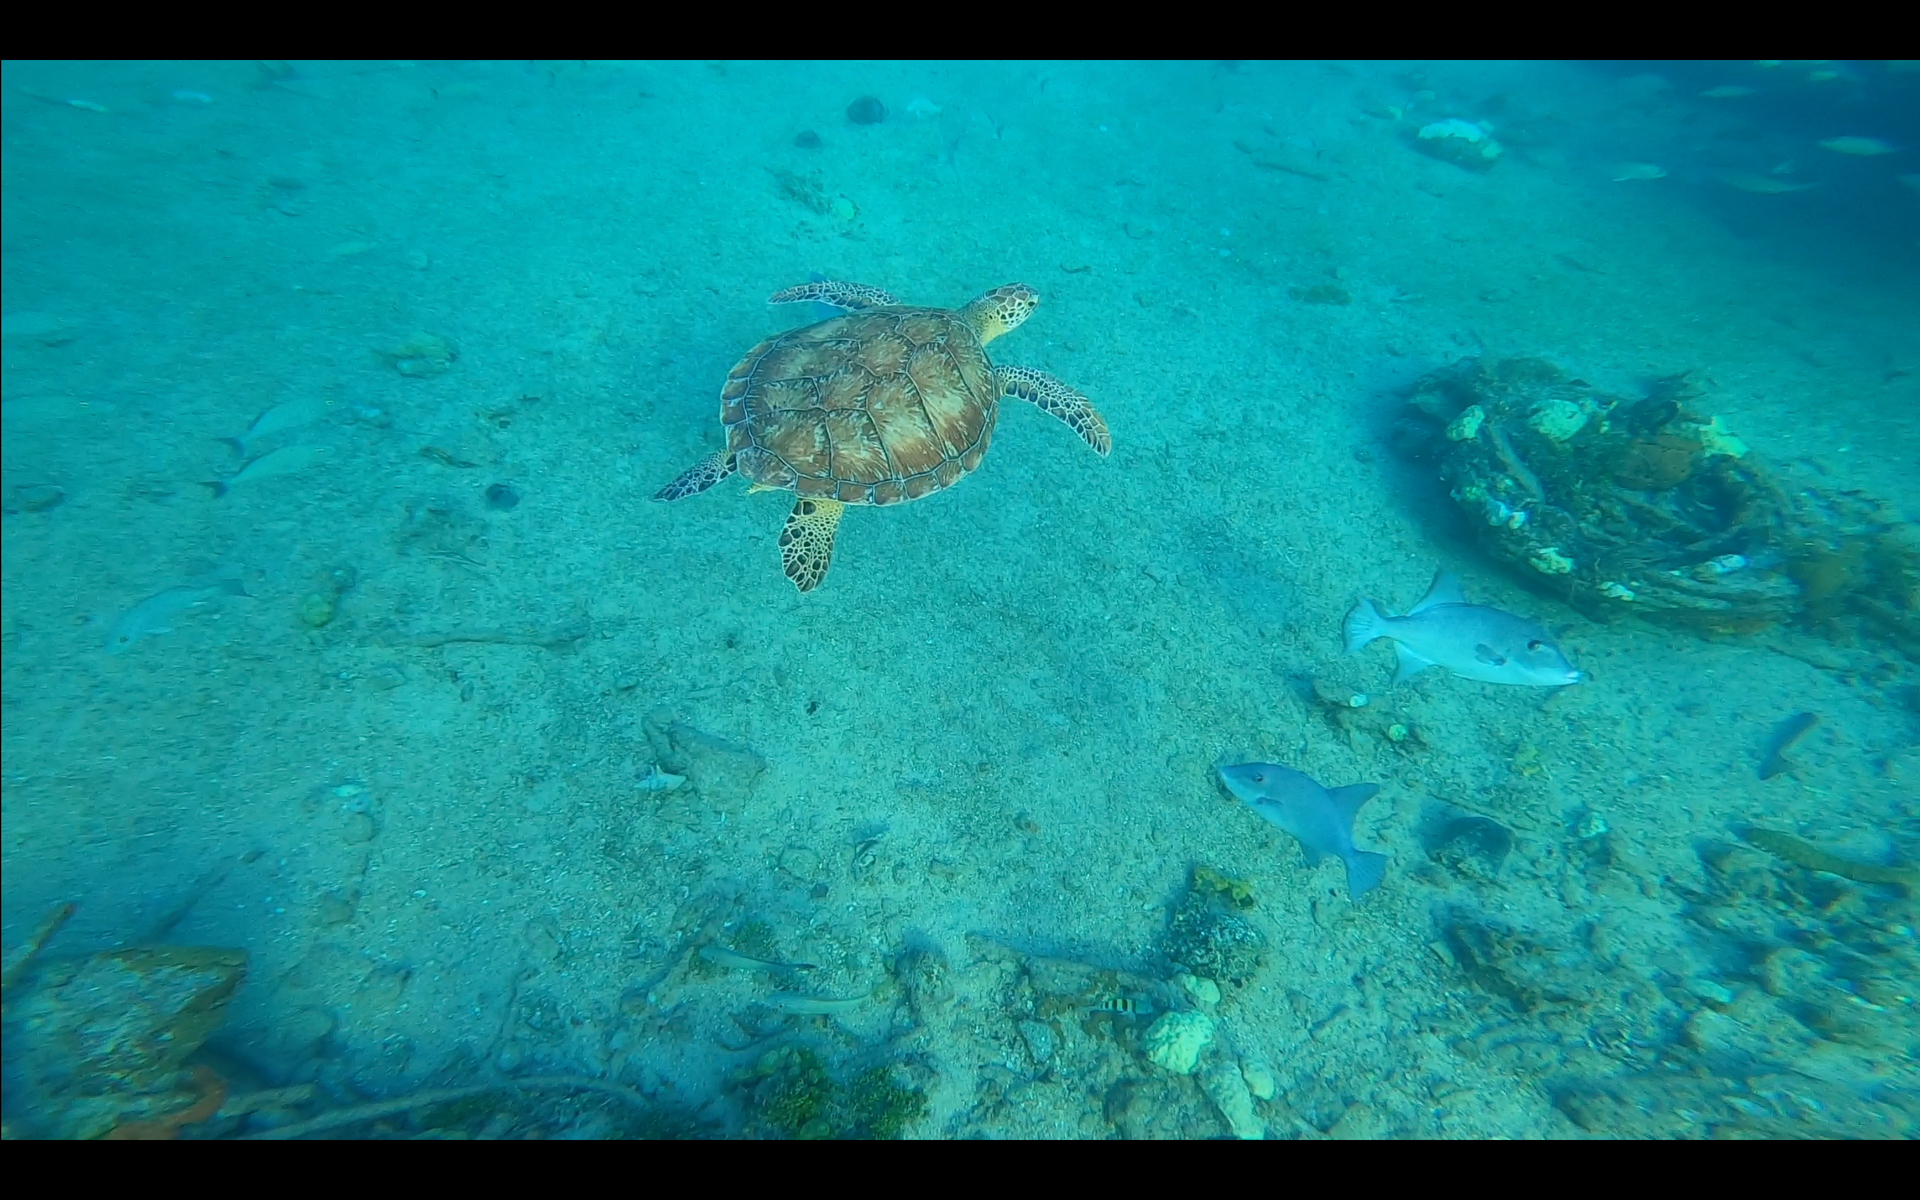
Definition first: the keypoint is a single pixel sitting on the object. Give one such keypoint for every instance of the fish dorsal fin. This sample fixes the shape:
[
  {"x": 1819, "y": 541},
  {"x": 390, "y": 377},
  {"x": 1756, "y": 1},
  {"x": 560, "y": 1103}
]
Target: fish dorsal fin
[
  {"x": 1445, "y": 589},
  {"x": 1347, "y": 800}
]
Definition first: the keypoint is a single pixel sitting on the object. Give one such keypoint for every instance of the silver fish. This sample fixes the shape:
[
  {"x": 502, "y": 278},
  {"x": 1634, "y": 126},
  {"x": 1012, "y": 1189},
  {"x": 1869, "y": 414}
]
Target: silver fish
[
  {"x": 1638, "y": 170},
  {"x": 1864, "y": 146},
  {"x": 290, "y": 415},
  {"x": 1319, "y": 819},
  {"x": 156, "y": 613},
  {"x": 1761, "y": 185},
  {"x": 720, "y": 956},
  {"x": 1470, "y": 640},
  {"x": 814, "y": 1006},
  {"x": 284, "y": 461}
]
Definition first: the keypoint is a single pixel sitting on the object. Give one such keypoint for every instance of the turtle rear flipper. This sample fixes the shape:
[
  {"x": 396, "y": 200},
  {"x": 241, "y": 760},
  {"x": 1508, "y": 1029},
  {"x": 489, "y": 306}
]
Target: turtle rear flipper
[
  {"x": 1057, "y": 400},
  {"x": 699, "y": 477},
  {"x": 806, "y": 544},
  {"x": 849, "y": 297}
]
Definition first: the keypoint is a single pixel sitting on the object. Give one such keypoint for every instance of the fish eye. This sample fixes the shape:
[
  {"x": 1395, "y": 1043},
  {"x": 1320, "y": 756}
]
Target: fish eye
[
  {"x": 1259, "y": 778},
  {"x": 1536, "y": 645}
]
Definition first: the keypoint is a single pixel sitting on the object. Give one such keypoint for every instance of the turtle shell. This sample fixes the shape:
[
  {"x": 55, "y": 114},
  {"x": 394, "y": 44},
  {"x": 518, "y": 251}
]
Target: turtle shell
[{"x": 873, "y": 407}]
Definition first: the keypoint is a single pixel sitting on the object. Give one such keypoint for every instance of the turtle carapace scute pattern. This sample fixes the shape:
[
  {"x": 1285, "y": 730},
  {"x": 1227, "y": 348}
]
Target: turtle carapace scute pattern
[{"x": 882, "y": 404}]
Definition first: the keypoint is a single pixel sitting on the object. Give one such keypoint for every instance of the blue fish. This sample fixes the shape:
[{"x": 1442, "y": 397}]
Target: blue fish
[
  {"x": 1471, "y": 640},
  {"x": 1320, "y": 820}
]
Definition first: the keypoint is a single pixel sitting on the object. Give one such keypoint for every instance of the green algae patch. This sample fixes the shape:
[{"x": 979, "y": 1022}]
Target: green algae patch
[{"x": 794, "y": 1096}]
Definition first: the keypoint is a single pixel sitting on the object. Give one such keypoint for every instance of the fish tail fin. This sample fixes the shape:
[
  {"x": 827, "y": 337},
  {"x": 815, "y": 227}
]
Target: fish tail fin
[
  {"x": 1365, "y": 870},
  {"x": 1364, "y": 624},
  {"x": 219, "y": 489}
]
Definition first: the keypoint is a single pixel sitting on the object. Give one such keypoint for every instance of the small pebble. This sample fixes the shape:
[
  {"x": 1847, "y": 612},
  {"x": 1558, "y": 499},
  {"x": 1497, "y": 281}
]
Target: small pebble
[
  {"x": 867, "y": 110},
  {"x": 502, "y": 497},
  {"x": 1205, "y": 992},
  {"x": 807, "y": 139},
  {"x": 1260, "y": 1080},
  {"x": 316, "y": 610}
]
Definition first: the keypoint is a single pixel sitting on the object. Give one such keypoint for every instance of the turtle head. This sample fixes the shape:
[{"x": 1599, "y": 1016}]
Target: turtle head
[{"x": 1000, "y": 310}]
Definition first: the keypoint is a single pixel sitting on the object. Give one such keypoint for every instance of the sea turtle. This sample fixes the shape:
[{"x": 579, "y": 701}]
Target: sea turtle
[{"x": 883, "y": 404}]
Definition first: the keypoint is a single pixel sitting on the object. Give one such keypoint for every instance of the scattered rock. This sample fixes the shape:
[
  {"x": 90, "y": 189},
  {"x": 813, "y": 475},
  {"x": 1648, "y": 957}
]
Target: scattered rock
[
  {"x": 1038, "y": 1036},
  {"x": 923, "y": 974},
  {"x": 1213, "y": 941},
  {"x": 316, "y": 610},
  {"x": 807, "y": 139},
  {"x": 97, "y": 1046},
  {"x": 1462, "y": 143},
  {"x": 1531, "y": 970},
  {"x": 867, "y": 110},
  {"x": 1359, "y": 1124},
  {"x": 1224, "y": 1086},
  {"x": 1157, "y": 1108},
  {"x": 1205, "y": 992},
  {"x": 1465, "y": 843},
  {"x": 1175, "y": 1040},
  {"x": 1260, "y": 1080},
  {"x": 421, "y": 355},
  {"x": 800, "y": 864},
  {"x": 337, "y": 905},
  {"x": 722, "y": 772}
]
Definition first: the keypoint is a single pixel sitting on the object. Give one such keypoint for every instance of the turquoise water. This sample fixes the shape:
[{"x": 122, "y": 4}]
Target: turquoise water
[{"x": 506, "y": 777}]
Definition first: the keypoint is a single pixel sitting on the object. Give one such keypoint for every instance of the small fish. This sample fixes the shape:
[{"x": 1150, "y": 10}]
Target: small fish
[
  {"x": 814, "y": 1006},
  {"x": 436, "y": 454},
  {"x": 1728, "y": 91},
  {"x": 290, "y": 415},
  {"x": 287, "y": 460},
  {"x": 1866, "y": 147},
  {"x": 1320, "y": 820},
  {"x": 1470, "y": 640},
  {"x": 1125, "y": 1006},
  {"x": 1813, "y": 858},
  {"x": 1628, "y": 171},
  {"x": 1749, "y": 181},
  {"x": 156, "y": 613},
  {"x": 720, "y": 956},
  {"x": 1784, "y": 735},
  {"x": 657, "y": 780}
]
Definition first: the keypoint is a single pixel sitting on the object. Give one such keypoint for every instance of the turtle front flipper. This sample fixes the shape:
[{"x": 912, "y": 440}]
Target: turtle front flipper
[
  {"x": 806, "y": 544},
  {"x": 848, "y": 297},
  {"x": 699, "y": 477},
  {"x": 1058, "y": 400}
]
